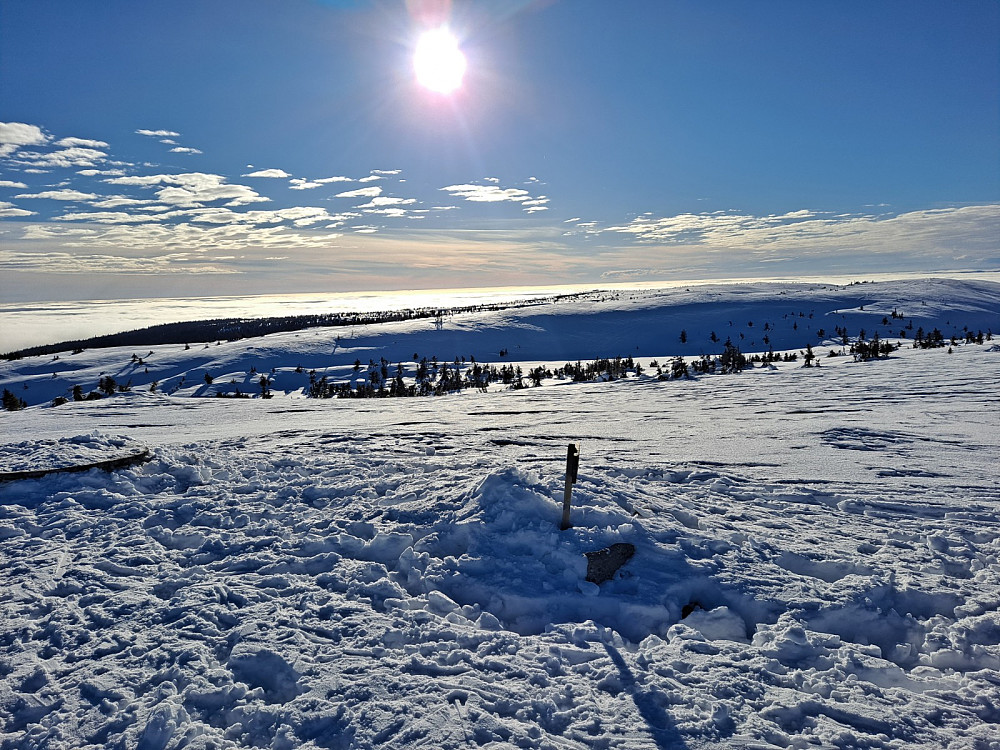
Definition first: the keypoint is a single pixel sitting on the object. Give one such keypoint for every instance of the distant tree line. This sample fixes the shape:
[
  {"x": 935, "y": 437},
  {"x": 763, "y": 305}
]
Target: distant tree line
[
  {"x": 434, "y": 378},
  {"x": 233, "y": 329}
]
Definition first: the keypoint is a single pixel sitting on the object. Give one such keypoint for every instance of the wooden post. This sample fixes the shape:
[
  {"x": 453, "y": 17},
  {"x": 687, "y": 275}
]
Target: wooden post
[{"x": 572, "y": 466}]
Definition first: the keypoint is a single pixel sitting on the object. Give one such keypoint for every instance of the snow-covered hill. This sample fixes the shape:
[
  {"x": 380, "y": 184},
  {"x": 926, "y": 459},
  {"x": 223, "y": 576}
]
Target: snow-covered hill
[
  {"x": 642, "y": 324},
  {"x": 816, "y": 549}
]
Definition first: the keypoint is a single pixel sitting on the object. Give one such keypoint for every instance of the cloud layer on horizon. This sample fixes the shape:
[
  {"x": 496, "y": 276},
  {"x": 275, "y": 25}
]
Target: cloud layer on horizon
[{"x": 92, "y": 214}]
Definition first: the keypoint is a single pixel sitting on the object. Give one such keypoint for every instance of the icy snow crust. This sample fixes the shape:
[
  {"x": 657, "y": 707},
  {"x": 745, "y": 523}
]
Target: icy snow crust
[{"x": 337, "y": 574}]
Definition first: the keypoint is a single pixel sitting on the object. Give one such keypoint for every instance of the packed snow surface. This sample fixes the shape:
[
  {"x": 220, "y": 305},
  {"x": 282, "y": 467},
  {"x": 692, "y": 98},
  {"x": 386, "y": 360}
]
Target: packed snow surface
[{"x": 816, "y": 557}]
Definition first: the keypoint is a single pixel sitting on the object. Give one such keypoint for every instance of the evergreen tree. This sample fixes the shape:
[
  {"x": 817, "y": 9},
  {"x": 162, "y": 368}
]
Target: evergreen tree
[
  {"x": 12, "y": 402},
  {"x": 106, "y": 385},
  {"x": 732, "y": 360},
  {"x": 678, "y": 368}
]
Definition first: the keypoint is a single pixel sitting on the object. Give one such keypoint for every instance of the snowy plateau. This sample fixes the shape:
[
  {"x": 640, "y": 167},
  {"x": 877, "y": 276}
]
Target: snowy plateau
[{"x": 816, "y": 548}]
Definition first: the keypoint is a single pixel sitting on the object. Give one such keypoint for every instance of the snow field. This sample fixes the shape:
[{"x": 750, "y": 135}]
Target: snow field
[
  {"x": 816, "y": 566},
  {"x": 642, "y": 324}
]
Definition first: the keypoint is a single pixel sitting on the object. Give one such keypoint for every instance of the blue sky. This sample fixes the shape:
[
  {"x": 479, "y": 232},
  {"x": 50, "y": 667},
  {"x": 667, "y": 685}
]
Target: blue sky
[{"x": 240, "y": 147}]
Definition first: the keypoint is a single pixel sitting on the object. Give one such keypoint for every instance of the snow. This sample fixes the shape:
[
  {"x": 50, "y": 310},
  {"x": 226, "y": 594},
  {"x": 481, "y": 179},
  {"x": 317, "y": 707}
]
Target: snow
[
  {"x": 60, "y": 454},
  {"x": 816, "y": 555}
]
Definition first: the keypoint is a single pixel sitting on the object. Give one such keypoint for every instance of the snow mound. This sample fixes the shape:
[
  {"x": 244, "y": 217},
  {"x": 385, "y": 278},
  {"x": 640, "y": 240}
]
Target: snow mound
[{"x": 65, "y": 453}]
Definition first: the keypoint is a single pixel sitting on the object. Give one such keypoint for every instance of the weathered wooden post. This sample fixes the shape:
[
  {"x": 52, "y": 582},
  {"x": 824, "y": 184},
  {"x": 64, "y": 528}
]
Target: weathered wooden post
[{"x": 572, "y": 466}]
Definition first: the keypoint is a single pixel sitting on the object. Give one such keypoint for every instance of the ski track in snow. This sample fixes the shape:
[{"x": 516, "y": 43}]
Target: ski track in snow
[{"x": 816, "y": 566}]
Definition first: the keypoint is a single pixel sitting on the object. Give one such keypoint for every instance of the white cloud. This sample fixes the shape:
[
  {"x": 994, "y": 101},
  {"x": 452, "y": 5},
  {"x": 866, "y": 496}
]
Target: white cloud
[
  {"x": 84, "y": 142},
  {"x": 372, "y": 178},
  {"x": 168, "y": 141},
  {"x": 185, "y": 150},
  {"x": 300, "y": 216},
  {"x": 12, "y": 184},
  {"x": 925, "y": 240},
  {"x": 193, "y": 189},
  {"x": 387, "y": 201},
  {"x": 78, "y": 263},
  {"x": 368, "y": 192},
  {"x": 107, "y": 217},
  {"x": 117, "y": 201},
  {"x": 117, "y": 234},
  {"x": 158, "y": 133},
  {"x": 393, "y": 213},
  {"x": 386, "y": 171},
  {"x": 60, "y": 195},
  {"x": 942, "y": 236},
  {"x": 718, "y": 228},
  {"x": 487, "y": 193},
  {"x": 297, "y": 183},
  {"x": 12, "y": 211},
  {"x": 278, "y": 173},
  {"x": 159, "y": 179},
  {"x": 535, "y": 204},
  {"x": 75, "y": 156},
  {"x": 101, "y": 172},
  {"x": 13, "y": 135}
]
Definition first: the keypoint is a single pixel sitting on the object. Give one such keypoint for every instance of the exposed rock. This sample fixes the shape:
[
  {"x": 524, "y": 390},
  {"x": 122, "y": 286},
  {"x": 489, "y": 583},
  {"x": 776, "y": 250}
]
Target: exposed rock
[{"x": 604, "y": 563}]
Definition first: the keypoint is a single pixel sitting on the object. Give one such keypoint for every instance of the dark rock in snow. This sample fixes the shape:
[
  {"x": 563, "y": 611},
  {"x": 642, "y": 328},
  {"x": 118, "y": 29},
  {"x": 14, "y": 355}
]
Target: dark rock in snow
[{"x": 604, "y": 563}]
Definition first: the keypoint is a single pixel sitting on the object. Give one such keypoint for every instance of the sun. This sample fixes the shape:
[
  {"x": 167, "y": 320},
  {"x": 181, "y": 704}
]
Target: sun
[{"x": 438, "y": 62}]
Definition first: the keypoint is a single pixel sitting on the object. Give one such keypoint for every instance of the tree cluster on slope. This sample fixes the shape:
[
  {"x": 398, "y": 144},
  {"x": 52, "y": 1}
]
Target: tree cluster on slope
[
  {"x": 11, "y": 402},
  {"x": 434, "y": 377},
  {"x": 874, "y": 349}
]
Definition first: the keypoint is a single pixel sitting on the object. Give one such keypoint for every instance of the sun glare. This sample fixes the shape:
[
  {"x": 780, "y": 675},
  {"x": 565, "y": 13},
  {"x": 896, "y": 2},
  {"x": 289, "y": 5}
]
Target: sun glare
[{"x": 438, "y": 62}]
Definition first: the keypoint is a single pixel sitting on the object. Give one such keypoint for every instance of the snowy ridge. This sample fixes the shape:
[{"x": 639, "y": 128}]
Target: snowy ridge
[
  {"x": 816, "y": 561},
  {"x": 647, "y": 324}
]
